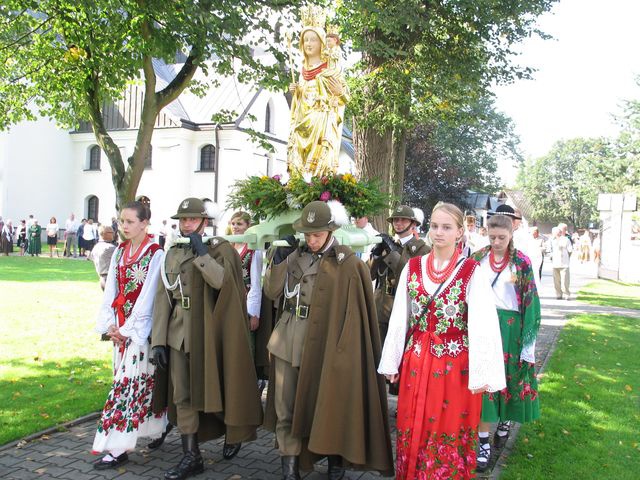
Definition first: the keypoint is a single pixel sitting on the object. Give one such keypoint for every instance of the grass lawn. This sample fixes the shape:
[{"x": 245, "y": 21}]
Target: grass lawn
[
  {"x": 589, "y": 399},
  {"x": 611, "y": 294},
  {"x": 53, "y": 367}
]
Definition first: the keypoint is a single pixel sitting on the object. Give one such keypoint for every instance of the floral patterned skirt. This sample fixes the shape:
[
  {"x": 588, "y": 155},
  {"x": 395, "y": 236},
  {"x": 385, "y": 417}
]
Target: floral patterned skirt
[
  {"x": 127, "y": 413},
  {"x": 519, "y": 401},
  {"x": 437, "y": 416}
]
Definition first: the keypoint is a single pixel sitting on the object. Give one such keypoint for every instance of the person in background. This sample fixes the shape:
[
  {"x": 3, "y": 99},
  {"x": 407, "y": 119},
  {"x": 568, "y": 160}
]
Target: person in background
[
  {"x": 21, "y": 236},
  {"x": 114, "y": 227},
  {"x": 518, "y": 306},
  {"x": 561, "y": 249},
  {"x": 444, "y": 350},
  {"x": 162, "y": 234},
  {"x": 126, "y": 317},
  {"x": 363, "y": 223},
  {"x": 52, "y": 236},
  {"x": 596, "y": 248},
  {"x": 172, "y": 236},
  {"x": 35, "y": 242},
  {"x": 252, "y": 275},
  {"x": 101, "y": 254},
  {"x": 585, "y": 247},
  {"x": 6, "y": 238},
  {"x": 80, "y": 234},
  {"x": 70, "y": 236},
  {"x": 89, "y": 235},
  {"x": 537, "y": 249}
]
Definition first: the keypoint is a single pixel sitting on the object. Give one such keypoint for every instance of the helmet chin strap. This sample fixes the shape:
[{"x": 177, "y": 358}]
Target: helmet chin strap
[
  {"x": 197, "y": 230},
  {"x": 405, "y": 230}
]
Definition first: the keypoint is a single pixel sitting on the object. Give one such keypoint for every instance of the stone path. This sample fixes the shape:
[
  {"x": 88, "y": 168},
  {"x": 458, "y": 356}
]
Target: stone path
[{"x": 66, "y": 454}]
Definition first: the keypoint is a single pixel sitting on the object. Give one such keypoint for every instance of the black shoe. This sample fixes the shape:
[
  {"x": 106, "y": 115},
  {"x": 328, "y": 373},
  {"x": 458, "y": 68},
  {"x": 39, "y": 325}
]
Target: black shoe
[
  {"x": 336, "y": 470},
  {"x": 482, "y": 460},
  {"x": 116, "y": 462},
  {"x": 230, "y": 450},
  {"x": 290, "y": 467},
  {"x": 160, "y": 440},
  {"x": 191, "y": 463},
  {"x": 499, "y": 441}
]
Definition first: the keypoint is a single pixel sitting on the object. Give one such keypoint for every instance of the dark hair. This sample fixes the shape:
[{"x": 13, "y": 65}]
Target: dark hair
[{"x": 143, "y": 212}]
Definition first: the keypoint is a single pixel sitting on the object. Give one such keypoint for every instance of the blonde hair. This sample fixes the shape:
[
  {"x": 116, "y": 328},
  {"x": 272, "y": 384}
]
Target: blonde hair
[
  {"x": 244, "y": 216},
  {"x": 450, "y": 209}
]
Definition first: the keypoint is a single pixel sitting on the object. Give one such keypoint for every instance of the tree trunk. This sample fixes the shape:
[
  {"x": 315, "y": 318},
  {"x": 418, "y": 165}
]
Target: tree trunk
[{"x": 398, "y": 156}]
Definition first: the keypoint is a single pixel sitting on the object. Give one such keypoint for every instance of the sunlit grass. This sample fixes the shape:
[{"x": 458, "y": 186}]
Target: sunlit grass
[
  {"x": 53, "y": 368},
  {"x": 611, "y": 294},
  {"x": 590, "y": 421}
]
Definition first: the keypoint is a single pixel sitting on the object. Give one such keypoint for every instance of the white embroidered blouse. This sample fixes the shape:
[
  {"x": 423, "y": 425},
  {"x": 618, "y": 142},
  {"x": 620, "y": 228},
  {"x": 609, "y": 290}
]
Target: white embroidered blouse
[
  {"x": 486, "y": 361},
  {"x": 138, "y": 325}
]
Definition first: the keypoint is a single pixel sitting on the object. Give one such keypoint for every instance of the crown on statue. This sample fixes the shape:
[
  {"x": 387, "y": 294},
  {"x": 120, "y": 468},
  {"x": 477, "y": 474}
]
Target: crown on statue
[
  {"x": 333, "y": 29},
  {"x": 313, "y": 16}
]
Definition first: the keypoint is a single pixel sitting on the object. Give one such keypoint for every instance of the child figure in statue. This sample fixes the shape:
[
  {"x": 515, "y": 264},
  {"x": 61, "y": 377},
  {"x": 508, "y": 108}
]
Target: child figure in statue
[{"x": 317, "y": 108}]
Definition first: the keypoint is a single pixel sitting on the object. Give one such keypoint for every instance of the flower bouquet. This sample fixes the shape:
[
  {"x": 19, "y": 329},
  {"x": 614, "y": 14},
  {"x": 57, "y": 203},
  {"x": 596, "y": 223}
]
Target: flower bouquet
[{"x": 266, "y": 196}]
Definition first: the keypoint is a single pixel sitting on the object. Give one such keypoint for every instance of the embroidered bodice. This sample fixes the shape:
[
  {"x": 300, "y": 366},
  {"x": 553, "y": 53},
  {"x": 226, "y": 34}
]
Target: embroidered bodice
[{"x": 444, "y": 317}]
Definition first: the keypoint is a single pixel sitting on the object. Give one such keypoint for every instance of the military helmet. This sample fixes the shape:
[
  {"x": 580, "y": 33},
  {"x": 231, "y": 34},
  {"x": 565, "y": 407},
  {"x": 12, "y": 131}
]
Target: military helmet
[
  {"x": 404, "y": 211},
  {"x": 316, "y": 217},
  {"x": 192, "y": 208}
]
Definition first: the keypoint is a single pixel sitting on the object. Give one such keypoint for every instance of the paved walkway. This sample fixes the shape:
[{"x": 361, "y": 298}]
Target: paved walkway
[{"x": 66, "y": 454}]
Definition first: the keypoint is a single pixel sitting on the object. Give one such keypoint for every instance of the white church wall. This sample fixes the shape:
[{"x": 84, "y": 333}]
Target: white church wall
[{"x": 35, "y": 161}]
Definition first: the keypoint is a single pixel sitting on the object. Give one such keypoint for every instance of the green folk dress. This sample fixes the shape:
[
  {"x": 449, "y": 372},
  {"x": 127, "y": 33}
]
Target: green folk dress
[{"x": 518, "y": 308}]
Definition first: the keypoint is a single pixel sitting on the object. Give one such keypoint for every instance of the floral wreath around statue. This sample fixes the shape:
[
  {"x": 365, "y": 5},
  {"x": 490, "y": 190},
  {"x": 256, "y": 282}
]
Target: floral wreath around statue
[{"x": 268, "y": 196}]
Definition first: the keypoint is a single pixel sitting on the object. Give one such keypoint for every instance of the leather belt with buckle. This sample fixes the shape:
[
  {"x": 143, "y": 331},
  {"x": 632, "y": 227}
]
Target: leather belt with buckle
[
  {"x": 300, "y": 311},
  {"x": 390, "y": 289},
  {"x": 185, "y": 303}
]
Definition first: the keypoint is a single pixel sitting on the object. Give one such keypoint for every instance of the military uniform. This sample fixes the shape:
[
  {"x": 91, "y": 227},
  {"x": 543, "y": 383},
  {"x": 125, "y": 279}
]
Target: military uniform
[
  {"x": 200, "y": 321},
  {"x": 326, "y": 398},
  {"x": 386, "y": 269}
]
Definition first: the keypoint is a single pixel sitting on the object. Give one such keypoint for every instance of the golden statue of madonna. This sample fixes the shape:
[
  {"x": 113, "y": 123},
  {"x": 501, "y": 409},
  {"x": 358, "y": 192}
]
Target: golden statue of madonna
[{"x": 319, "y": 99}]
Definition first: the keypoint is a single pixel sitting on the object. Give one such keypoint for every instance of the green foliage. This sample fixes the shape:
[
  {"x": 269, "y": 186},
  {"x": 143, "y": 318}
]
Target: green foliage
[
  {"x": 423, "y": 60},
  {"x": 66, "y": 59},
  {"x": 460, "y": 155},
  {"x": 589, "y": 401},
  {"x": 564, "y": 184},
  {"x": 267, "y": 197}
]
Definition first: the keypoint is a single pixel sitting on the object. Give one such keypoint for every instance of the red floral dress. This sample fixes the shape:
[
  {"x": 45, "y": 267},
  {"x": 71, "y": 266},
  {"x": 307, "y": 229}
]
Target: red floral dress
[
  {"x": 437, "y": 414},
  {"x": 127, "y": 413}
]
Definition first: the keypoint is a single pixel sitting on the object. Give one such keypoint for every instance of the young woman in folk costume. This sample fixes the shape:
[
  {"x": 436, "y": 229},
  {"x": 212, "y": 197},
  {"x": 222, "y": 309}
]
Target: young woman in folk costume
[
  {"x": 443, "y": 347},
  {"x": 516, "y": 299},
  {"x": 252, "y": 277},
  {"x": 126, "y": 317}
]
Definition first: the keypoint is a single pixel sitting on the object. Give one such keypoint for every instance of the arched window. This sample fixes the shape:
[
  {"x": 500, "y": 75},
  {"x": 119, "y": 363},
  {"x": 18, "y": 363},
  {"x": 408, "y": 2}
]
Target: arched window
[
  {"x": 267, "y": 118},
  {"x": 94, "y": 158},
  {"x": 148, "y": 158},
  {"x": 93, "y": 205},
  {"x": 208, "y": 158}
]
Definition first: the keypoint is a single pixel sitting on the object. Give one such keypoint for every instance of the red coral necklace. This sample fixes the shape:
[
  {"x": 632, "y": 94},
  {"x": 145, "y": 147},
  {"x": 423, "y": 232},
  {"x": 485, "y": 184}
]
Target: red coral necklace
[
  {"x": 127, "y": 257},
  {"x": 439, "y": 276},
  {"x": 498, "y": 266}
]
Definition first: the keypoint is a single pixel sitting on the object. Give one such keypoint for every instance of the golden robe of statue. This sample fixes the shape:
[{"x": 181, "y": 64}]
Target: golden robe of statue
[{"x": 317, "y": 109}]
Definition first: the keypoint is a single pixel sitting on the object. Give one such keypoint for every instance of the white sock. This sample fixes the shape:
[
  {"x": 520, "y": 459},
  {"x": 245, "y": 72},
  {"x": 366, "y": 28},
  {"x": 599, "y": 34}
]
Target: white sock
[{"x": 483, "y": 434}]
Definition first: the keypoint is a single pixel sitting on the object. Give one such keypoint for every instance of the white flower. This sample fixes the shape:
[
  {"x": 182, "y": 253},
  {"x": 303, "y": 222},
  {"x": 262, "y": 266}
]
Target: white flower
[
  {"x": 454, "y": 347},
  {"x": 450, "y": 311},
  {"x": 292, "y": 203},
  {"x": 417, "y": 348},
  {"x": 138, "y": 273},
  {"x": 416, "y": 307}
]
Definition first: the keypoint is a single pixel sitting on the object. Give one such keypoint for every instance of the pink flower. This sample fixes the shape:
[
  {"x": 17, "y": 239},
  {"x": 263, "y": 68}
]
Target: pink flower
[
  {"x": 277, "y": 177},
  {"x": 325, "y": 196}
]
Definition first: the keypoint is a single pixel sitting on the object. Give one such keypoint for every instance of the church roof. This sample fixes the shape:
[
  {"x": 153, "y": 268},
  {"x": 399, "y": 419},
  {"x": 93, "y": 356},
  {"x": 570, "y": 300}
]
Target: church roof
[{"x": 226, "y": 95}]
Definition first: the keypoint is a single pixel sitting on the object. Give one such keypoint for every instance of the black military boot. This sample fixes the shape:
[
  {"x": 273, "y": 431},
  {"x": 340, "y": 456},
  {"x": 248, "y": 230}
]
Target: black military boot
[
  {"x": 336, "y": 470},
  {"x": 160, "y": 440},
  {"x": 191, "y": 463},
  {"x": 230, "y": 450},
  {"x": 290, "y": 467}
]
